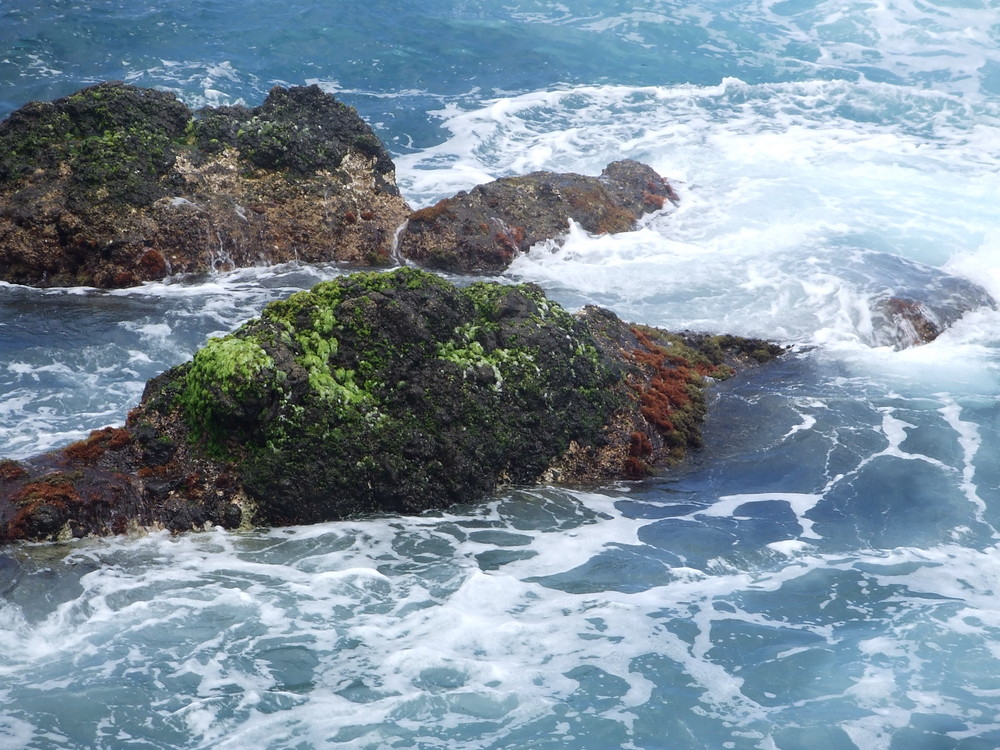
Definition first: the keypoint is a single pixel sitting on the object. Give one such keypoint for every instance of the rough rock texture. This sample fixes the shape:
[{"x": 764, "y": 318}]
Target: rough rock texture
[
  {"x": 902, "y": 322},
  {"x": 912, "y": 303},
  {"x": 379, "y": 392},
  {"x": 482, "y": 230},
  {"x": 115, "y": 185}
]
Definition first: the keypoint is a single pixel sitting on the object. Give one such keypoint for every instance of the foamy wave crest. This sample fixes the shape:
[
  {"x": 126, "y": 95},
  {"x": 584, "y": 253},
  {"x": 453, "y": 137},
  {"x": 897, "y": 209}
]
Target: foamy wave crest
[{"x": 795, "y": 197}]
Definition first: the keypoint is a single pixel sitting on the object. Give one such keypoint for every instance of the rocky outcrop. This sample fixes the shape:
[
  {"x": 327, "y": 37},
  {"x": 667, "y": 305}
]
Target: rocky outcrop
[
  {"x": 115, "y": 185},
  {"x": 380, "y": 392},
  {"x": 482, "y": 230}
]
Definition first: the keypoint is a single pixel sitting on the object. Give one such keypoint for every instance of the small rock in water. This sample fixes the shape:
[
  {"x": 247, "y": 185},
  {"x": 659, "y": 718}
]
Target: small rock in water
[{"x": 484, "y": 229}]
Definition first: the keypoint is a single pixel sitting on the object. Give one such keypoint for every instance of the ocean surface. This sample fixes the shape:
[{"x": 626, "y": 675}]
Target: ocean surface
[{"x": 824, "y": 575}]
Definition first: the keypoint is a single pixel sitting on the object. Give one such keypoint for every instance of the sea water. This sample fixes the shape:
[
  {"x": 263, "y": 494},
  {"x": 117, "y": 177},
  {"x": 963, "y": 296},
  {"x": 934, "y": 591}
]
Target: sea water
[{"x": 823, "y": 574}]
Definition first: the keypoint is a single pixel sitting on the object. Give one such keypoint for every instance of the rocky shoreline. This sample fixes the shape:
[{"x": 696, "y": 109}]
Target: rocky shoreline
[
  {"x": 116, "y": 185},
  {"x": 387, "y": 391}
]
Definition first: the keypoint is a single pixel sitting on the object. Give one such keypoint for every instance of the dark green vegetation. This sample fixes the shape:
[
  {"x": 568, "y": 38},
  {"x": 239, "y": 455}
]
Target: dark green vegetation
[
  {"x": 298, "y": 130},
  {"x": 117, "y": 143},
  {"x": 393, "y": 392},
  {"x": 116, "y": 185},
  {"x": 113, "y": 143},
  {"x": 380, "y": 392}
]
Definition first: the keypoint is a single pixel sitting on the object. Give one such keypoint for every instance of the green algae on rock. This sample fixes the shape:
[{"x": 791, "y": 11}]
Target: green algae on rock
[
  {"x": 391, "y": 392},
  {"x": 398, "y": 392},
  {"x": 115, "y": 185}
]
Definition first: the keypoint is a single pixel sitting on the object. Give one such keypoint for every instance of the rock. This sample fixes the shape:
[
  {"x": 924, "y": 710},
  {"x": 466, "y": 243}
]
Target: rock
[
  {"x": 907, "y": 303},
  {"x": 380, "y": 393},
  {"x": 482, "y": 230},
  {"x": 902, "y": 322},
  {"x": 115, "y": 185},
  {"x": 908, "y": 322}
]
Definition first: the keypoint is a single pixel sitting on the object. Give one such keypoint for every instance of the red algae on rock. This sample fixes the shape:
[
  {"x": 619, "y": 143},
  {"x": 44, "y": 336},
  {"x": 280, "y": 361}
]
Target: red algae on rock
[
  {"x": 391, "y": 392},
  {"x": 97, "y": 443}
]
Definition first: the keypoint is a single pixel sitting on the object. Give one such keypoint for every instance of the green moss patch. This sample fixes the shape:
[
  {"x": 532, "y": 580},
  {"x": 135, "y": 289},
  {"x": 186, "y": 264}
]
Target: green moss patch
[
  {"x": 394, "y": 391},
  {"x": 112, "y": 142},
  {"x": 224, "y": 387}
]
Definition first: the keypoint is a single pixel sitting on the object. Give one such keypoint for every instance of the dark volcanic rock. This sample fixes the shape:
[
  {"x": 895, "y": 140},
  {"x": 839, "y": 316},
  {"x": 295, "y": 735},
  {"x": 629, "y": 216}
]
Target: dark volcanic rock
[
  {"x": 379, "y": 392},
  {"x": 482, "y": 230},
  {"x": 115, "y": 185}
]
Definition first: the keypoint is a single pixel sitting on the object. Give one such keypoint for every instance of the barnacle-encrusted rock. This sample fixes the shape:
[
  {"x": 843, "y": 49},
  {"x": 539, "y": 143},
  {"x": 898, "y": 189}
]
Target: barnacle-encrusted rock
[
  {"x": 115, "y": 185},
  {"x": 380, "y": 392}
]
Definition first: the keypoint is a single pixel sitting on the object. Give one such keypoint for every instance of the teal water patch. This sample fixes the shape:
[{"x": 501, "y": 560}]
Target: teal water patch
[{"x": 389, "y": 631}]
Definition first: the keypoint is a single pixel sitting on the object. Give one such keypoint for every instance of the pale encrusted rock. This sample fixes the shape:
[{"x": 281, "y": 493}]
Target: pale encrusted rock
[{"x": 116, "y": 185}]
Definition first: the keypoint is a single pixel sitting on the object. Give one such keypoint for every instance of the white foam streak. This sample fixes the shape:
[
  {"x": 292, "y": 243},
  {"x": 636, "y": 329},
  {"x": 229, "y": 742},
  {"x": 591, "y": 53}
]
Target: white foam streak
[
  {"x": 970, "y": 440},
  {"x": 800, "y": 504}
]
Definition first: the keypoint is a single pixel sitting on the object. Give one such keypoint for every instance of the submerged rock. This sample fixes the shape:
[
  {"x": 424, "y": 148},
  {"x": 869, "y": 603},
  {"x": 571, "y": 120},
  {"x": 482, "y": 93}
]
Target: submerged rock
[
  {"x": 481, "y": 231},
  {"x": 116, "y": 184},
  {"x": 922, "y": 304},
  {"x": 906, "y": 322},
  {"x": 380, "y": 392},
  {"x": 902, "y": 322}
]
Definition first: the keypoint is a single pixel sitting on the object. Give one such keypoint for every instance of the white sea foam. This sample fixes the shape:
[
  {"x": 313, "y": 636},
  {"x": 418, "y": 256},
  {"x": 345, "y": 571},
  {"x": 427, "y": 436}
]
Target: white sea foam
[
  {"x": 970, "y": 440},
  {"x": 780, "y": 184},
  {"x": 14, "y": 733},
  {"x": 199, "y": 83},
  {"x": 392, "y": 642},
  {"x": 953, "y": 53},
  {"x": 800, "y": 504}
]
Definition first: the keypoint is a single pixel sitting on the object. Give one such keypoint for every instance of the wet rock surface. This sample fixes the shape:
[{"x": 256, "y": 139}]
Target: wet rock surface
[
  {"x": 903, "y": 322},
  {"x": 923, "y": 304},
  {"x": 115, "y": 185},
  {"x": 380, "y": 392},
  {"x": 484, "y": 229}
]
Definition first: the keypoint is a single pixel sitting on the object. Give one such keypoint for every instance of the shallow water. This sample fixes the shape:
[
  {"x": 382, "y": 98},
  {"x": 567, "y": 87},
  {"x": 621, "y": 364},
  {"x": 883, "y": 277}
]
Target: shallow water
[{"x": 823, "y": 575}]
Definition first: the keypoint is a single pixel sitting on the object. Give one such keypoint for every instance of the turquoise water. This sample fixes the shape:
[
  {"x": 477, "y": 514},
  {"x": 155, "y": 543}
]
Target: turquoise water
[{"x": 823, "y": 575}]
